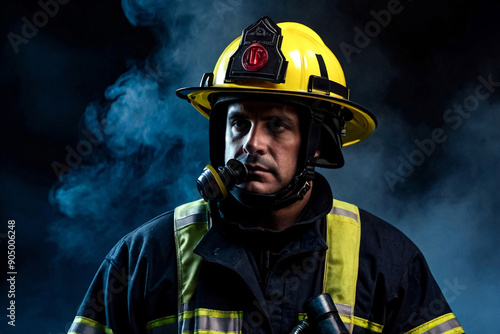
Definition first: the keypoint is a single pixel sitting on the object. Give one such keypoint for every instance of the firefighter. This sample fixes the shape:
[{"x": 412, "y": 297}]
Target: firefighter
[{"x": 267, "y": 237}]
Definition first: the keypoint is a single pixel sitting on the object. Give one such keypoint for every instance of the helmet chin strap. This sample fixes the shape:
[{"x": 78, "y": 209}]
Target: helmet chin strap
[{"x": 293, "y": 192}]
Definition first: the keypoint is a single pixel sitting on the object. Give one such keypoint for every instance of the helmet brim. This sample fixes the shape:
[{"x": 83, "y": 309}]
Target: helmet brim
[{"x": 360, "y": 127}]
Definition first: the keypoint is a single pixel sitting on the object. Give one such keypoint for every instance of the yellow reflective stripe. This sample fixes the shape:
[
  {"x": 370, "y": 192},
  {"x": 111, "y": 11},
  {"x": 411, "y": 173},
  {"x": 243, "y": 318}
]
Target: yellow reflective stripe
[
  {"x": 301, "y": 316},
  {"x": 349, "y": 320},
  {"x": 171, "y": 319},
  {"x": 82, "y": 324},
  {"x": 447, "y": 323},
  {"x": 342, "y": 257},
  {"x": 190, "y": 224},
  {"x": 363, "y": 323},
  {"x": 186, "y": 315},
  {"x": 203, "y": 312},
  {"x": 209, "y": 331},
  {"x": 346, "y": 319},
  {"x": 458, "y": 330}
]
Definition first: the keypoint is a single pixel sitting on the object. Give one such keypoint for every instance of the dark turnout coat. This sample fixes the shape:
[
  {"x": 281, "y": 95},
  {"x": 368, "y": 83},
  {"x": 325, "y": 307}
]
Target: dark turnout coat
[{"x": 197, "y": 269}]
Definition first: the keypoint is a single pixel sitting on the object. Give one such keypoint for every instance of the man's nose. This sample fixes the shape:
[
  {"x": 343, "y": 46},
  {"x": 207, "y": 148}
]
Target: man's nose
[{"x": 255, "y": 141}]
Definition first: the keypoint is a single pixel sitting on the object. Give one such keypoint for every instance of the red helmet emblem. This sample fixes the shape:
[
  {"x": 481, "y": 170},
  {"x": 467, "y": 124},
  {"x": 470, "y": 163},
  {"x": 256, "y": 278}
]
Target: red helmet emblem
[{"x": 255, "y": 57}]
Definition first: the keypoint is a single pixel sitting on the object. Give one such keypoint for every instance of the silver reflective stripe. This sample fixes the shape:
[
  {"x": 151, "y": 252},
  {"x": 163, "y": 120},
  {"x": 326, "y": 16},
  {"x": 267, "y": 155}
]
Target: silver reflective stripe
[
  {"x": 344, "y": 212},
  {"x": 192, "y": 321},
  {"x": 80, "y": 328},
  {"x": 206, "y": 323},
  {"x": 444, "y": 327},
  {"x": 191, "y": 219},
  {"x": 224, "y": 325},
  {"x": 344, "y": 309}
]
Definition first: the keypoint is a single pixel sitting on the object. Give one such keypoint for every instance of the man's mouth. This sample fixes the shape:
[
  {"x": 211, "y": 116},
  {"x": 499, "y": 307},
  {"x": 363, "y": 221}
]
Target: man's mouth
[
  {"x": 256, "y": 169},
  {"x": 254, "y": 166}
]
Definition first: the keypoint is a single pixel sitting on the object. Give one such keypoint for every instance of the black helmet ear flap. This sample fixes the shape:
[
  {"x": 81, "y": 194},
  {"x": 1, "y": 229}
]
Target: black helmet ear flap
[
  {"x": 217, "y": 135},
  {"x": 330, "y": 147},
  {"x": 324, "y": 145}
]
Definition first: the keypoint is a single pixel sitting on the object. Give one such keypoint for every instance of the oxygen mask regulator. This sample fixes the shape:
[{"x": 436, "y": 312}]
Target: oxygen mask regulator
[
  {"x": 214, "y": 184},
  {"x": 322, "y": 317}
]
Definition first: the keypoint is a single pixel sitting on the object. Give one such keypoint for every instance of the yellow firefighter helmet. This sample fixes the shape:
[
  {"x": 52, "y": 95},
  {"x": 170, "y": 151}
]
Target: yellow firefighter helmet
[{"x": 287, "y": 61}]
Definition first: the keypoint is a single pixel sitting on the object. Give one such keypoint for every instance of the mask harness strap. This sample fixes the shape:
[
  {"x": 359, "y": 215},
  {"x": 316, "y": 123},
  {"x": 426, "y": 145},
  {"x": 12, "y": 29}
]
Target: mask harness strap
[{"x": 313, "y": 140}]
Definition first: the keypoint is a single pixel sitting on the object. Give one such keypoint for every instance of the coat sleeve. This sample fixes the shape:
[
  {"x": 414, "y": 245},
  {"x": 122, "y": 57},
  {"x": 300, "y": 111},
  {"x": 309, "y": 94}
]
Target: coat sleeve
[
  {"x": 420, "y": 306},
  {"x": 135, "y": 284},
  {"x": 107, "y": 305}
]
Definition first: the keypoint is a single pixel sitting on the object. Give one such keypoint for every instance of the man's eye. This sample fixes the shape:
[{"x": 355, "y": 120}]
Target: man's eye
[
  {"x": 276, "y": 125},
  {"x": 239, "y": 124}
]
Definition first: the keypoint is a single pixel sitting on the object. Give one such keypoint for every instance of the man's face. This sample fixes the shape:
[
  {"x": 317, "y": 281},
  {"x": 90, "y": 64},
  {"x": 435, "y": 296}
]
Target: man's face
[{"x": 270, "y": 134}]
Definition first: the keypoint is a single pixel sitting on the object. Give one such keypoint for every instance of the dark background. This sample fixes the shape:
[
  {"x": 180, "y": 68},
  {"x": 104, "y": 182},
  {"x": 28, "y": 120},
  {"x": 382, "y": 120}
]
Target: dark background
[{"x": 100, "y": 70}]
